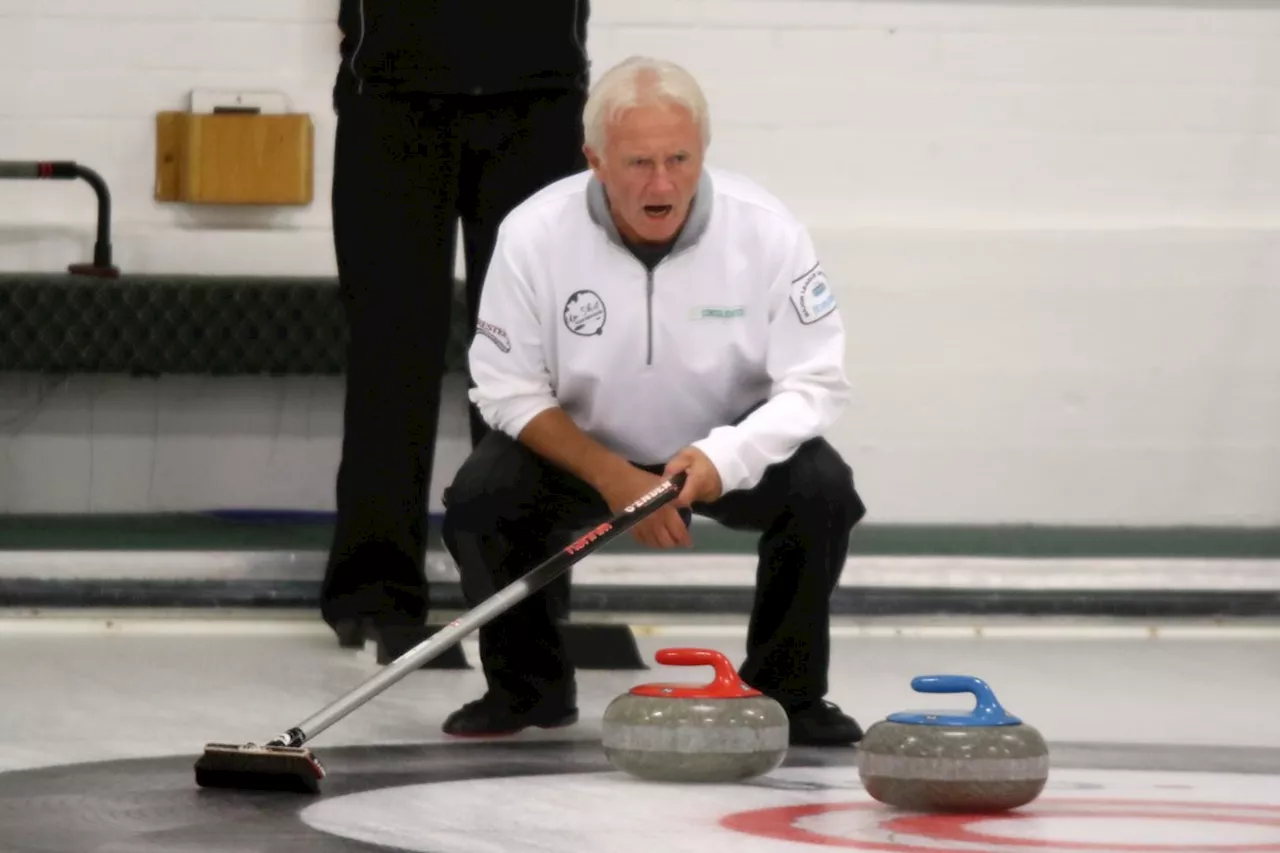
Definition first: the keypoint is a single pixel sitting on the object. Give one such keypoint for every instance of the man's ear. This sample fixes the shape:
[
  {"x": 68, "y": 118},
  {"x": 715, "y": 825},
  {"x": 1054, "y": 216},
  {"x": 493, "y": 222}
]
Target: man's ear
[{"x": 594, "y": 160}]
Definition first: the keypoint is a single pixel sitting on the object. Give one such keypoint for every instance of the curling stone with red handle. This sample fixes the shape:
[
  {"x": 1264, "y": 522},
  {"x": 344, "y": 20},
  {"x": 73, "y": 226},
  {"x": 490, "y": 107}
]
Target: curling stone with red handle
[{"x": 723, "y": 731}]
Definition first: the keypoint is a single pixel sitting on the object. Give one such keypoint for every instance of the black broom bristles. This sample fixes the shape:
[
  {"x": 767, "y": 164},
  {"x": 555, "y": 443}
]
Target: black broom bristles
[{"x": 261, "y": 768}]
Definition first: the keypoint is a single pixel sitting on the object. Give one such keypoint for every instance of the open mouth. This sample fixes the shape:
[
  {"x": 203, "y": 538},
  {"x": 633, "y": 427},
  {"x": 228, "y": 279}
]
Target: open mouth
[{"x": 656, "y": 211}]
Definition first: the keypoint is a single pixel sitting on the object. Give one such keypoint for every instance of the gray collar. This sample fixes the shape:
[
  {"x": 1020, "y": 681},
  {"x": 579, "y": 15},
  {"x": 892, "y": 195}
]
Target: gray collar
[{"x": 694, "y": 228}]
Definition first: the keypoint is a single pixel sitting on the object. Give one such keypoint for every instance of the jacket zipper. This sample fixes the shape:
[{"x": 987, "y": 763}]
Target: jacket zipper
[
  {"x": 649, "y": 309},
  {"x": 648, "y": 360},
  {"x": 648, "y": 287}
]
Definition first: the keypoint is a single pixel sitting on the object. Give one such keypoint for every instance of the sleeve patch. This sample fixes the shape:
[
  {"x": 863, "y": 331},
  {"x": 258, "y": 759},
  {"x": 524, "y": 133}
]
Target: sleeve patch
[
  {"x": 497, "y": 334},
  {"x": 811, "y": 296}
]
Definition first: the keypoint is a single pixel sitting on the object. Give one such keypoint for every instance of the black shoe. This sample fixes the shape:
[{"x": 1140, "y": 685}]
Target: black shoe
[
  {"x": 822, "y": 723},
  {"x": 497, "y": 714},
  {"x": 351, "y": 632},
  {"x": 377, "y": 585}
]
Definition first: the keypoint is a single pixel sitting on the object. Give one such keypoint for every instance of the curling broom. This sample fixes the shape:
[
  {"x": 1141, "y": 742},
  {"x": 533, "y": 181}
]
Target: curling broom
[{"x": 285, "y": 764}]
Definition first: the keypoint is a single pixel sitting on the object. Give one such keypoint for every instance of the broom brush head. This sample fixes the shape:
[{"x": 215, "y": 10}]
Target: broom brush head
[{"x": 260, "y": 768}]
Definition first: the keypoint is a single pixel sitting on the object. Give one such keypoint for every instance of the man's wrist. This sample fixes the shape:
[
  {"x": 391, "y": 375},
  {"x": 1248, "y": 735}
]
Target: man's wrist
[{"x": 607, "y": 469}]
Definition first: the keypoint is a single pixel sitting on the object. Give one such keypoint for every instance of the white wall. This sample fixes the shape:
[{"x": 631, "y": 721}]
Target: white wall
[{"x": 1053, "y": 227}]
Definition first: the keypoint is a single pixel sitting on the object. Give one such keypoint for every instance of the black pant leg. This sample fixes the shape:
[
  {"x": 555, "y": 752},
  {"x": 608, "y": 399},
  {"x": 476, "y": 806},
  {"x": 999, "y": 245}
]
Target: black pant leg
[
  {"x": 394, "y": 202},
  {"x": 515, "y": 144},
  {"x": 805, "y": 509},
  {"x": 503, "y": 510}
]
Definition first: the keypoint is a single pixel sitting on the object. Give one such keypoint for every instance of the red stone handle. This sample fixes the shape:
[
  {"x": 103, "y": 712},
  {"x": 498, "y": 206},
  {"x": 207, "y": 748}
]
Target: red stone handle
[{"x": 726, "y": 684}]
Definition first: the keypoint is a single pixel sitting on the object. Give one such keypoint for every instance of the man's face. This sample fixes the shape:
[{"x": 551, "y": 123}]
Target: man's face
[{"x": 650, "y": 169}]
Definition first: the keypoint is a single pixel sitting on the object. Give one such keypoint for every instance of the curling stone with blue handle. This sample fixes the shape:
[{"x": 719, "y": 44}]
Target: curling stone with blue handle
[
  {"x": 983, "y": 760},
  {"x": 723, "y": 731}
]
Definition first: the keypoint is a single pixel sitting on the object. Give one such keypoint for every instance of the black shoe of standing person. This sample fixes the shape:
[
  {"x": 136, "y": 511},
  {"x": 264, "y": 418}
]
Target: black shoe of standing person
[
  {"x": 497, "y": 713},
  {"x": 822, "y": 723},
  {"x": 376, "y": 587},
  {"x": 353, "y": 631}
]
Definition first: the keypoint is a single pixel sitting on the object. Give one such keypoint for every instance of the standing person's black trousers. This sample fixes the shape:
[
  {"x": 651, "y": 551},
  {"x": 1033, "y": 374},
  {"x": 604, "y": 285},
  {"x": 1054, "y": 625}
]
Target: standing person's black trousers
[
  {"x": 509, "y": 508},
  {"x": 406, "y": 169}
]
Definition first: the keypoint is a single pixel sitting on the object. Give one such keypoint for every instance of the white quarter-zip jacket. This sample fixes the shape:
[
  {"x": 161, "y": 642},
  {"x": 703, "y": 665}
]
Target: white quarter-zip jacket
[{"x": 737, "y": 318}]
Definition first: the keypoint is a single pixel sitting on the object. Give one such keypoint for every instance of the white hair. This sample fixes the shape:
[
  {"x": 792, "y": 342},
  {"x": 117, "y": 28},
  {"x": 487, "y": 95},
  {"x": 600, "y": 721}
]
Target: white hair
[{"x": 638, "y": 81}]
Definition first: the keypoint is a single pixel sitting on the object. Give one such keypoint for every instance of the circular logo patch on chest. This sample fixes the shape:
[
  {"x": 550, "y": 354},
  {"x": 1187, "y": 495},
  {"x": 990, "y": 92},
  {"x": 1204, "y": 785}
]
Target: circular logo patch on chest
[{"x": 584, "y": 313}]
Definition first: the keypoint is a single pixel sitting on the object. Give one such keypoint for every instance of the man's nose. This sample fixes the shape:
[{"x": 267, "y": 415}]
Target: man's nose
[{"x": 662, "y": 181}]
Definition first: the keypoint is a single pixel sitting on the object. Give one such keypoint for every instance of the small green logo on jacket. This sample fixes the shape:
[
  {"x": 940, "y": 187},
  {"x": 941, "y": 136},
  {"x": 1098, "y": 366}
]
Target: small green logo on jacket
[{"x": 716, "y": 312}]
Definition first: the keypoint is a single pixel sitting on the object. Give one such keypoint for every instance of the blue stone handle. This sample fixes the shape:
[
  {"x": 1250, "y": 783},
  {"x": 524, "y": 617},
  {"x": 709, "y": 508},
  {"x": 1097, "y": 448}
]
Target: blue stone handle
[{"x": 987, "y": 710}]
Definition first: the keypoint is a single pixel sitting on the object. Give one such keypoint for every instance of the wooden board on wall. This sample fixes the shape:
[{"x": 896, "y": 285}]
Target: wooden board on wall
[{"x": 234, "y": 158}]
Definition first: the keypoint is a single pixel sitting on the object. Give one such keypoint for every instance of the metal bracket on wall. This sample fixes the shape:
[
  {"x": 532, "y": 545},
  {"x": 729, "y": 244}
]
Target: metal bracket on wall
[{"x": 71, "y": 170}]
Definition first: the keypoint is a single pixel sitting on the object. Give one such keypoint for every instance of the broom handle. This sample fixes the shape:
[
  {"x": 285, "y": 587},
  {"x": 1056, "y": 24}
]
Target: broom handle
[{"x": 484, "y": 612}]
